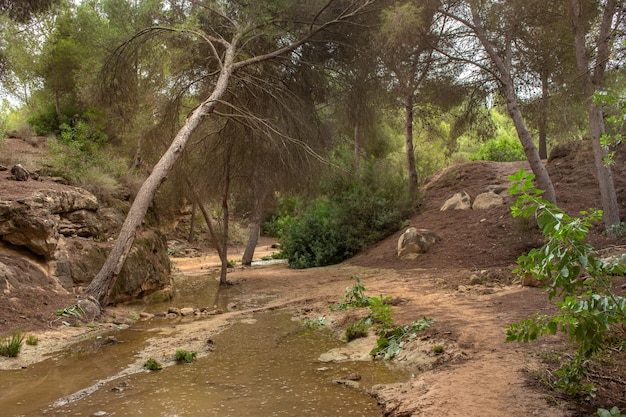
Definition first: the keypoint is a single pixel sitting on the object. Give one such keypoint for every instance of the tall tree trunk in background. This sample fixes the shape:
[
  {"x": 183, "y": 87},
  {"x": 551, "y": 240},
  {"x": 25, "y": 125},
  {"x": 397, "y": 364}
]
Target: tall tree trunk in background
[
  {"x": 215, "y": 241},
  {"x": 357, "y": 142},
  {"x": 543, "y": 117},
  {"x": 103, "y": 282},
  {"x": 591, "y": 84},
  {"x": 225, "y": 218},
  {"x": 410, "y": 149},
  {"x": 506, "y": 83},
  {"x": 260, "y": 195},
  {"x": 207, "y": 219},
  {"x": 138, "y": 153},
  {"x": 192, "y": 225}
]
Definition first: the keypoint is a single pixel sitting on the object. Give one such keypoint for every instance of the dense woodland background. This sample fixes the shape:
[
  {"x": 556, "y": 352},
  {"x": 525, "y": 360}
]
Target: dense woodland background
[{"x": 316, "y": 120}]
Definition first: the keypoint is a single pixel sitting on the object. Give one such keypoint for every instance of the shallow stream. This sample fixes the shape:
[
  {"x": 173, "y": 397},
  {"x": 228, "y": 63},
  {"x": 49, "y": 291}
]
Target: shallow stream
[{"x": 263, "y": 365}]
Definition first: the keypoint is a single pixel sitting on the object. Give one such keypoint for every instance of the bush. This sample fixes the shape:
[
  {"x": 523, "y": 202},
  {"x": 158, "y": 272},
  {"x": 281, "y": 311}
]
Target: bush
[
  {"x": 503, "y": 149},
  {"x": 357, "y": 330},
  {"x": 183, "y": 356},
  {"x": 571, "y": 270},
  {"x": 152, "y": 365},
  {"x": 353, "y": 213}
]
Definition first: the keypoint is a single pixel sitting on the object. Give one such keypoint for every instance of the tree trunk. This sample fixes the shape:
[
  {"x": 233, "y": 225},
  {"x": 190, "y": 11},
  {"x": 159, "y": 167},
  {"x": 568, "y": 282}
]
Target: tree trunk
[
  {"x": 207, "y": 219},
  {"x": 253, "y": 240},
  {"x": 103, "y": 282},
  {"x": 410, "y": 150},
  {"x": 506, "y": 83},
  {"x": 214, "y": 238},
  {"x": 536, "y": 164},
  {"x": 543, "y": 117},
  {"x": 255, "y": 226},
  {"x": 138, "y": 153},
  {"x": 357, "y": 147},
  {"x": 590, "y": 85},
  {"x": 192, "y": 225},
  {"x": 225, "y": 216}
]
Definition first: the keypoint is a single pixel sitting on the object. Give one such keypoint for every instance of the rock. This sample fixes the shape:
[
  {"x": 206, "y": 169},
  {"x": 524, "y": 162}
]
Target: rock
[
  {"x": 347, "y": 383},
  {"x": 415, "y": 241},
  {"x": 487, "y": 200},
  {"x": 459, "y": 201},
  {"x": 90, "y": 307},
  {"x": 186, "y": 311},
  {"x": 173, "y": 310},
  {"x": 529, "y": 280},
  {"x": 19, "y": 173}
]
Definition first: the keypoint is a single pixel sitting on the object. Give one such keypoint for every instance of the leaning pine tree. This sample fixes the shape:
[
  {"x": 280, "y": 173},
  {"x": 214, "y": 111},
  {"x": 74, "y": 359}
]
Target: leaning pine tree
[{"x": 227, "y": 49}]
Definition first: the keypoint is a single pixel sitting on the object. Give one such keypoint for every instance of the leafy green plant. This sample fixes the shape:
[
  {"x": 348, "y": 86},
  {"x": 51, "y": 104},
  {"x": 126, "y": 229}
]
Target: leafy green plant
[
  {"x": 355, "y": 296},
  {"x": 392, "y": 340},
  {"x": 437, "y": 349},
  {"x": 182, "y": 355},
  {"x": 74, "y": 311},
  {"x": 381, "y": 311},
  {"x": 32, "y": 340},
  {"x": 571, "y": 270},
  {"x": 152, "y": 365},
  {"x": 614, "y": 412},
  {"x": 12, "y": 345}
]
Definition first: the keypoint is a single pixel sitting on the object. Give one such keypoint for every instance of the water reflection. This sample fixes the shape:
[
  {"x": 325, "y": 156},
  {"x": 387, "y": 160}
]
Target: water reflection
[{"x": 264, "y": 365}]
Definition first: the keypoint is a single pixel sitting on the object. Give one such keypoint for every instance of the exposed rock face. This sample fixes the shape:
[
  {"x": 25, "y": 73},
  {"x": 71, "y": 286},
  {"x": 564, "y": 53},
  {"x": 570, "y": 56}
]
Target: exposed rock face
[
  {"x": 415, "y": 241},
  {"x": 459, "y": 201},
  {"x": 72, "y": 236}
]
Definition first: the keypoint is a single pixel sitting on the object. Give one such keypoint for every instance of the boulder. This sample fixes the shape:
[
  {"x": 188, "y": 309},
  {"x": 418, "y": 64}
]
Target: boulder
[
  {"x": 459, "y": 201},
  {"x": 486, "y": 201},
  {"x": 19, "y": 173},
  {"x": 415, "y": 241}
]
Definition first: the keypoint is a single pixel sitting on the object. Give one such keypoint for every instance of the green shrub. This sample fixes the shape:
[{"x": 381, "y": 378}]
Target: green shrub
[
  {"x": 12, "y": 345},
  {"x": 184, "y": 356},
  {"x": 393, "y": 339},
  {"x": 152, "y": 365},
  {"x": 570, "y": 270},
  {"x": 353, "y": 214},
  {"x": 503, "y": 149},
  {"x": 357, "y": 330},
  {"x": 355, "y": 296}
]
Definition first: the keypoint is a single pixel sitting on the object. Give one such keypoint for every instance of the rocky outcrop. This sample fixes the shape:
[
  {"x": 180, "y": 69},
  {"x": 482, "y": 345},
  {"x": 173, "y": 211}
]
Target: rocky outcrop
[{"x": 71, "y": 237}]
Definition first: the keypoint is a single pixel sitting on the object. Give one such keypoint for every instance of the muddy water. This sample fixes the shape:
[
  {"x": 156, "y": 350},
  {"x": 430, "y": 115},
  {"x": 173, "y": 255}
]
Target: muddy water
[{"x": 264, "y": 365}]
